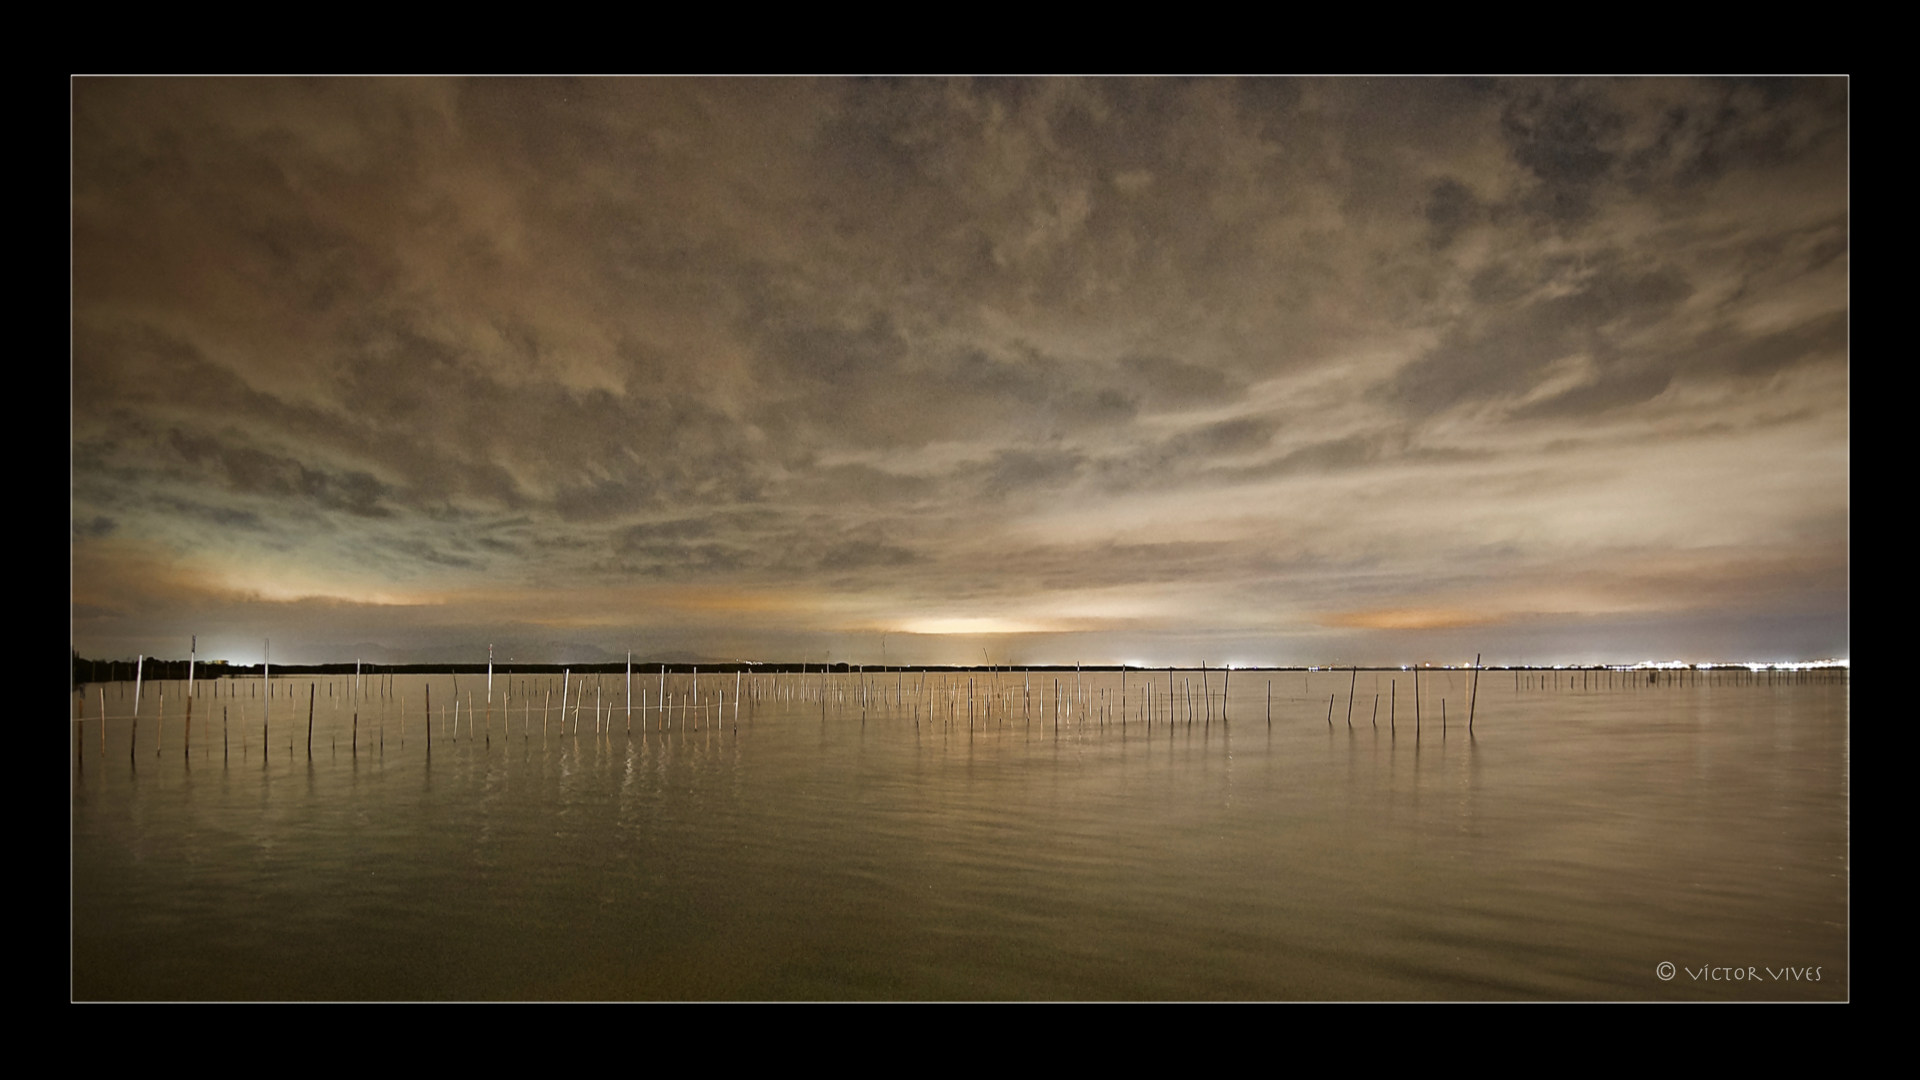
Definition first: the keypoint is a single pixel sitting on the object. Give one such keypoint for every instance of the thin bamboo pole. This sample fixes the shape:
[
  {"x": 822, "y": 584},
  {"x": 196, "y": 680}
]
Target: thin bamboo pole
[
  {"x": 133, "y": 740},
  {"x": 1474, "y": 695}
]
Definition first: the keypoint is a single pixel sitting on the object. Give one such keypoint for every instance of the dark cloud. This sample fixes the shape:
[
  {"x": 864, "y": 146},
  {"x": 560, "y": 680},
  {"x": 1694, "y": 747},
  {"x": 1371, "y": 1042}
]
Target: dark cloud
[
  {"x": 1819, "y": 340},
  {"x": 1015, "y": 470},
  {"x": 1450, "y": 208},
  {"x": 1713, "y": 129},
  {"x": 1564, "y": 136},
  {"x": 1617, "y": 387},
  {"x": 1169, "y": 383},
  {"x": 835, "y": 357},
  {"x": 1347, "y": 453},
  {"x": 654, "y": 532},
  {"x": 865, "y": 555},
  {"x": 664, "y": 560},
  {"x": 1525, "y": 330},
  {"x": 1241, "y": 436},
  {"x": 866, "y": 484},
  {"x": 256, "y": 472},
  {"x": 1210, "y": 450},
  {"x": 222, "y": 516}
]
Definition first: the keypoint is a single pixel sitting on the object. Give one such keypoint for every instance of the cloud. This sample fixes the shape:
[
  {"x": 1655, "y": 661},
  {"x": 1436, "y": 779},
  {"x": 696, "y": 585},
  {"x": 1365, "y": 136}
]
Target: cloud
[
  {"x": 1169, "y": 382},
  {"x": 1299, "y": 345},
  {"x": 865, "y": 555}
]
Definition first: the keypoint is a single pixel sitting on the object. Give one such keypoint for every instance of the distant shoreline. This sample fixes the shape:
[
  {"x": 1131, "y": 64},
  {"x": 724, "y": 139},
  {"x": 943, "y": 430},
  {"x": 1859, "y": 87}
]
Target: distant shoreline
[{"x": 102, "y": 671}]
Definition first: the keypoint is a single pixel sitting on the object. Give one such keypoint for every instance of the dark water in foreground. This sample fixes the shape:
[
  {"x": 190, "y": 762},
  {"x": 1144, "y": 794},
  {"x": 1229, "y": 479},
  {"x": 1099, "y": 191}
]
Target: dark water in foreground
[{"x": 1579, "y": 839}]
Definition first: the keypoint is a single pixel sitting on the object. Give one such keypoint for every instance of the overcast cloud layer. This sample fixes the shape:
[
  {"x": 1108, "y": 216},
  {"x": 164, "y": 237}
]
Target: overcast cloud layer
[{"x": 1250, "y": 371}]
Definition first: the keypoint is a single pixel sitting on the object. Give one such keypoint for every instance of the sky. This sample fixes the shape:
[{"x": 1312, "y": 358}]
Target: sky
[{"x": 1158, "y": 371}]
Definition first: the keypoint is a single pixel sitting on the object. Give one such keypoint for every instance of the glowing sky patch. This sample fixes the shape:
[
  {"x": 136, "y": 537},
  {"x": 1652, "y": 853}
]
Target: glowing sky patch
[
  {"x": 962, "y": 625},
  {"x": 1408, "y": 619}
]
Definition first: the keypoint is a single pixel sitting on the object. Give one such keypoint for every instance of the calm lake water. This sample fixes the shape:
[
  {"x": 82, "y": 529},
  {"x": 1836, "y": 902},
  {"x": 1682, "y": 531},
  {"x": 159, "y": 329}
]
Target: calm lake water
[{"x": 1579, "y": 838}]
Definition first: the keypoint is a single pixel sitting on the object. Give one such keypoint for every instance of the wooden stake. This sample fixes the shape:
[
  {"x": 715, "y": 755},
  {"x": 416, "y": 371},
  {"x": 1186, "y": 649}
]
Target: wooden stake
[{"x": 1474, "y": 694}]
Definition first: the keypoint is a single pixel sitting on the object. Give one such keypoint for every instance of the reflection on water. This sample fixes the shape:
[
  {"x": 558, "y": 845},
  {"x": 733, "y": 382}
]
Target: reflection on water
[{"x": 908, "y": 836}]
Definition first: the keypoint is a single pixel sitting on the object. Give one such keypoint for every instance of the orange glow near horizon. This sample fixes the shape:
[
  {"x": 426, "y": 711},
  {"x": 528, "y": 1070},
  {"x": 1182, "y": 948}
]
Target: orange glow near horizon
[
  {"x": 1409, "y": 619},
  {"x": 978, "y": 625}
]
